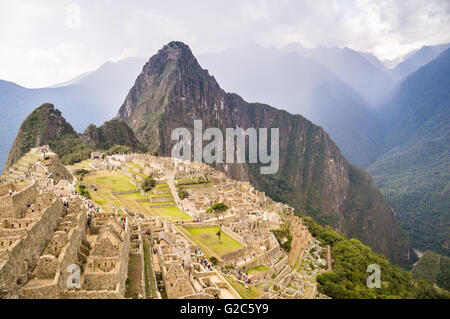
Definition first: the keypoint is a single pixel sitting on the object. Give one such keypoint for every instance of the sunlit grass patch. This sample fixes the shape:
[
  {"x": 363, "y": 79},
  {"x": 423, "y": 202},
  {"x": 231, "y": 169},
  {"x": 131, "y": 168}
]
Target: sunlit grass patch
[{"x": 208, "y": 237}]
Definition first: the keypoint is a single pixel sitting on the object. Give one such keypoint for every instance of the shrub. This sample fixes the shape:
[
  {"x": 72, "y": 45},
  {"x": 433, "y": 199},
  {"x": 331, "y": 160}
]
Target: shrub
[
  {"x": 182, "y": 194},
  {"x": 82, "y": 190},
  {"x": 213, "y": 260}
]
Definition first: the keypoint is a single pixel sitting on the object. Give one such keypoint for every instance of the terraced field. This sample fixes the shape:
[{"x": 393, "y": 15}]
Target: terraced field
[
  {"x": 107, "y": 182},
  {"x": 171, "y": 213}
]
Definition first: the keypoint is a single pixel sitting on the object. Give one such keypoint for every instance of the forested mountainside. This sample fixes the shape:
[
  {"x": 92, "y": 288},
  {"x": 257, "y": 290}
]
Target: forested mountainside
[{"x": 414, "y": 172}]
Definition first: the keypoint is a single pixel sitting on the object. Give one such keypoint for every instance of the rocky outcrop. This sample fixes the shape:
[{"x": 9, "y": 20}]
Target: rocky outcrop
[{"x": 173, "y": 90}]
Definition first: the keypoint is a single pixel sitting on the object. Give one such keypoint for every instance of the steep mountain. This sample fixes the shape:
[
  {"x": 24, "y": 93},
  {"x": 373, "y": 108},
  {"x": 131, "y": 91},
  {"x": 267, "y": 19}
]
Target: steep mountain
[
  {"x": 91, "y": 98},
  {"x": 300, "y": 85},
  {"x": 173, "y": 90},
  {"x": 362, "y": 72},
  {"x": 414, "y": 172},
  {"x": 416, "y": 60},
  {"x": 113, "y": 132},
  {"x": 45, "y": 125}
]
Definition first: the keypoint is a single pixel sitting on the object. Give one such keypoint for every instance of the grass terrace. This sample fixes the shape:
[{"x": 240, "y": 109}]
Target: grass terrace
[
  {"x": 135, "y": 165},
  {"x": 150, "y": 194},
  {"x": 206, "y": 236},
  {"x": 257, "y": 270},
  {"x": 106, "y": 182},
  {"x": 252, "y": 292},
  {"x": 171, "y": 213}
]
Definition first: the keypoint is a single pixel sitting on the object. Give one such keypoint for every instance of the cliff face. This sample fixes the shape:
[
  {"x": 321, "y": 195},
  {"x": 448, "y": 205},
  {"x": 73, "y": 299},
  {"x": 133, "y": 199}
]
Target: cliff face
[
  {"x": 113, "y": 132},
  {"x": 173, "y": 90}
]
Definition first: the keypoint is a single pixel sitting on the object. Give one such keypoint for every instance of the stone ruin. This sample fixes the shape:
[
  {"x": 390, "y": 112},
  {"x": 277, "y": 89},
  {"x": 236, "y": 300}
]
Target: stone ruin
[
  {"x": 54, "y": 245},
  {"x": 45, "y": 239},
  {"x": 184, "y": 271}
]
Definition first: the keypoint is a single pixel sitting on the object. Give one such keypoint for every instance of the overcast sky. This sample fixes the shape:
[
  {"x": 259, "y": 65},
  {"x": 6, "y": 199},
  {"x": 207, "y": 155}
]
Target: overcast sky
[{"x": 46, "y": 42}]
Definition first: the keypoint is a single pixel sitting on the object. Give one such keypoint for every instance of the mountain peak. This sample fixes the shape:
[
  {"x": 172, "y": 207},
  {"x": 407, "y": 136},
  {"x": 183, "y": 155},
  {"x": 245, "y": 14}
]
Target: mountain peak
[{"x": 174, "y": 51}]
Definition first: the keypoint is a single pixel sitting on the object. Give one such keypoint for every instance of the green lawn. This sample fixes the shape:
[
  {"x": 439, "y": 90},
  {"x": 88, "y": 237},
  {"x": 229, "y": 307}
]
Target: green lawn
[
  {"x": 207, "y": 236},
  {"x": 130, "y": 196}
]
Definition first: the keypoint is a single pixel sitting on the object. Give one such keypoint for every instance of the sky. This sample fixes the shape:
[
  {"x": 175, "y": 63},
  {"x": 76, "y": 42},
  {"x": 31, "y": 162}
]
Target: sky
[{"x": 45, "y": 42}]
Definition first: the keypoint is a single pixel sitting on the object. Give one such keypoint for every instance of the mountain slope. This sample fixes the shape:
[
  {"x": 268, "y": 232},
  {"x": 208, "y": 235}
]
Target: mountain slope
[
  {"x": 300, "y": 85},
  {"x": 414, "y": 173},
  {"x": 313, "y": 177},
  {"x": 93, "y": 98}
]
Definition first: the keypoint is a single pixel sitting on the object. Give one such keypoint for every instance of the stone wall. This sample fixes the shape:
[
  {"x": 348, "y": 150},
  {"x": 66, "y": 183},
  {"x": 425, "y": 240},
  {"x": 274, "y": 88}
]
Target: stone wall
[
  {"x": 300, "y": 239},
  {"x": 56, "y": 268},
  {"x": 23, "y": 199},
  {"x": 24, "y": 254}
]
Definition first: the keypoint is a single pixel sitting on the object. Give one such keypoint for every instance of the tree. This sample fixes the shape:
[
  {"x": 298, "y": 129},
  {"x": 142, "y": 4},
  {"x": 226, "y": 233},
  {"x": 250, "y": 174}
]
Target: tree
[
  {"x": 118, "y": 149},
  {"x": 218, "y": 209},
  {"x": 182, "y": 194},
  {"x": 148, "y": 183},
  {"x": 80, "y": 173}
]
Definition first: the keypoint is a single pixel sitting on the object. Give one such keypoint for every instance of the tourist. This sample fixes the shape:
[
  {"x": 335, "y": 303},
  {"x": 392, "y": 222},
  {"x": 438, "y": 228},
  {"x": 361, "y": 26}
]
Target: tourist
[{"x": 10, "y": 192}]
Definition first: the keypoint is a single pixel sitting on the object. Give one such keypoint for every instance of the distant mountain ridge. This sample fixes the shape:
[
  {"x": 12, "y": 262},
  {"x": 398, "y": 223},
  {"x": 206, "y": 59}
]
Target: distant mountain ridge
[{"x": 418, "y": 59}]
